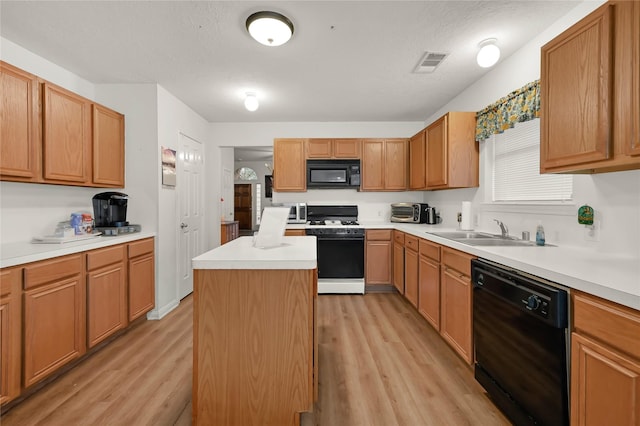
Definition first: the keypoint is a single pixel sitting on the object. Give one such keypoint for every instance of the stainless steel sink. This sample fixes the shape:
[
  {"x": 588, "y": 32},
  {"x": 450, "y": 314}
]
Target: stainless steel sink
[
  {"x": 456, "y": 235},
  {"x": 481, "y": 239}
]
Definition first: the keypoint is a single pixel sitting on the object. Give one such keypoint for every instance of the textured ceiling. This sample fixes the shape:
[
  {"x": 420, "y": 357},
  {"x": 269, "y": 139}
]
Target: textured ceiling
[{"x": 347, "y": 60}]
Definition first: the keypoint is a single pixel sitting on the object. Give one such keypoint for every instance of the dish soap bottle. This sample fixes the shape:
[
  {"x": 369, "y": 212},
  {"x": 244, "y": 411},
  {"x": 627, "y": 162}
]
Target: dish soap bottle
[{"x": 540, "y": 234}]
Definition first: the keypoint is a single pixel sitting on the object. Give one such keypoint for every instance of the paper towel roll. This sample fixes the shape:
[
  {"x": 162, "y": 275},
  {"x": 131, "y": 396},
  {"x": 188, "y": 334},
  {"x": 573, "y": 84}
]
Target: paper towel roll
[{"x": 465, "y": 224}]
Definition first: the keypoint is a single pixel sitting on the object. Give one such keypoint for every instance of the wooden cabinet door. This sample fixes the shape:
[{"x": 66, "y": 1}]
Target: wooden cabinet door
[
  {"x": 455, "y": 314},
  {"x": 10, "y": 333},
  {"x": 417, "y": 161},
  {"x": 67, "y": 136},
  {"x": 294, "y": 233},
  {"x": 141, "y": 286},
  {"x": 378, "y": 262},
  {"x": 605, "y": 385},
  {"x": 19, "y": 124},
  {"x": 437, "y": 164},
  {"x": 372, "y": 165},
  {"x": 289, "y": 165},
  {"x": 635, "y": 82},
  {"x": 411, "y": 276},
  {"x": 395, "y": 168},
  {"x": 319, "y": 148},
  {"x": 108, "y": 147},
  {"x": 346, "y": 148},
  {"x": 106, "y": 302},
  {"x": 53, "y": 327},
  {"x": 575, "y": 90},
  {"x": 398, "y": 267},
  {"x": 429, "y": 291}
]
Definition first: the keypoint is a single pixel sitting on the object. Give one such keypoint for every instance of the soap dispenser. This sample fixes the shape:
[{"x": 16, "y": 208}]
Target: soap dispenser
[{"x": 540, "y": 234}]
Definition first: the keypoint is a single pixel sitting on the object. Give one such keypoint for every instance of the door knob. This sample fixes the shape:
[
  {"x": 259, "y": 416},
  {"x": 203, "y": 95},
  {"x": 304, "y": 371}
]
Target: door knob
[{"x": 183, "y": 225}]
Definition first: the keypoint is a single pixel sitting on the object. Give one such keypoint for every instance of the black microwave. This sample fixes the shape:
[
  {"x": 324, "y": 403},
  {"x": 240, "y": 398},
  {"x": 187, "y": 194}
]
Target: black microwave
[{"x": 333, "y": 174}]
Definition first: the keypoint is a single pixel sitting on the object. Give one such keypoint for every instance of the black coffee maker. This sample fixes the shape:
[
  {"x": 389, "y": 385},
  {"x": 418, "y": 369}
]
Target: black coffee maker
[{"x": 110, "y": 209}]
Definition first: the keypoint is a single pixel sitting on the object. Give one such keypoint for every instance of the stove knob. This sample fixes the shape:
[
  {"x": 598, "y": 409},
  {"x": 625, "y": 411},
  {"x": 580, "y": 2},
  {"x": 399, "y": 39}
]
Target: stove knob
[{"x": 533, "y": 302}]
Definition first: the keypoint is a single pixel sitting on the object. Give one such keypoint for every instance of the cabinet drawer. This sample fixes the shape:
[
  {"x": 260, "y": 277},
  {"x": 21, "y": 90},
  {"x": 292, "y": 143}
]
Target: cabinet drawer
[
  {"x": 51, "y": 270},
  {"x": 430, "y": 250},
  {"x": 379, "y": 234},
  {"x": 616, "y": 325},
  {"x": 8, "y": 278},
  {"x": 398, "y": 237},
  {"x": 141, "y": 247},
  {"x": 103, "y": 257},
  {"x": 457, "y": 260},
  {"x": 411, "y": 242}
]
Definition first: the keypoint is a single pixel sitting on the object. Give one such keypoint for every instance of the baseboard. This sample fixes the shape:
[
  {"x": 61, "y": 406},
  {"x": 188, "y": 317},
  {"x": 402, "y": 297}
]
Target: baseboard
[{"x": 156, "y": 314}]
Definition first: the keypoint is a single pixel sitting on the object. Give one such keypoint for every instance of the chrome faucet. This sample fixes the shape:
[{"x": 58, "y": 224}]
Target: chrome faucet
[{"x": 503, "y": 228}]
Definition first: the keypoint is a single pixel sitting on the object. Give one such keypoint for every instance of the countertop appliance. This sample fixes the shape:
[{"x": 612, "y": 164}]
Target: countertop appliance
[
  {"x": 521, "y": 340},
  {"x": 333, "y": 174},
  {"x": 110, "y": 209},
  {"x": 297, "y": 212},
  {"x": 410, "y": 212},
  {"x": 340, "y": 247}
]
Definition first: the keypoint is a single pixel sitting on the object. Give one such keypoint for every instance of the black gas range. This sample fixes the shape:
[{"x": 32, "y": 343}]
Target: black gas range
[{"x": 340, "y": 248}]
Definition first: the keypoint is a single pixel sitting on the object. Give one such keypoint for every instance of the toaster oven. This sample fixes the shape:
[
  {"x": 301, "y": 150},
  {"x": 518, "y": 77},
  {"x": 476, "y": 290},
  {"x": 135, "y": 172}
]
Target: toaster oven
[{"x": 409, "y": 212}]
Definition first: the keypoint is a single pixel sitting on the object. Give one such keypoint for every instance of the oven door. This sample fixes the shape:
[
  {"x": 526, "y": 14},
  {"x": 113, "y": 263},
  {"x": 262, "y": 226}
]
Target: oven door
[{"x": 340, "y": 257}]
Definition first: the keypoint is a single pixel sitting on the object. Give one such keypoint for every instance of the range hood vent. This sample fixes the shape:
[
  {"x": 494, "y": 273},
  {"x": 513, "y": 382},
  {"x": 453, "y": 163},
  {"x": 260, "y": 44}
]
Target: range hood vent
[{"x": 429, "y": 62}]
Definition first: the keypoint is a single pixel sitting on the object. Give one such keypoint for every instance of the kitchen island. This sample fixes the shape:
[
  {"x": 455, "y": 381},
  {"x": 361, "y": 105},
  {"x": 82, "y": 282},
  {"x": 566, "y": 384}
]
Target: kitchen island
[{"x": 254, "y": 332}]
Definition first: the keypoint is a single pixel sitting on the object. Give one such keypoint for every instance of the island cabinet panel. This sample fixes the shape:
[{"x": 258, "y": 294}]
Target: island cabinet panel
[
  {"x": 141, "y": 281},
  {"x": 455, "y": 302},
  {"x": 54, "y": 316},
  {"x": 20, "y": 149},
  {"x": 254, "y": 342},
  {"x": 378, "y": 254},
  {"x": 605, "y": 362},
  {"x": 66, "y": 136},
  {"x": 108, "y": 147},
  {"x": 106, "y": 293},
  {"x": 289, "y": 165},
  {"x": 10, "y": 333}
]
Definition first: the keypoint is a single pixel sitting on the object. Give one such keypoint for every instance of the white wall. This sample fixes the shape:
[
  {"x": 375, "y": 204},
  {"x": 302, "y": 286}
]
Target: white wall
[{"x": 614, "y": 196}]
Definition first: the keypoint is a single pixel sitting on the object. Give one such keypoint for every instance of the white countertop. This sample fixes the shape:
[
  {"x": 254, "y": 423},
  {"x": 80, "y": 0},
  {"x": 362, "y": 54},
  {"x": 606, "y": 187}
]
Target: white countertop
[
  {"x": 294, "y": 253},
  {"x": 614, "y": 277},
  {"x": 12, "y": 254}
]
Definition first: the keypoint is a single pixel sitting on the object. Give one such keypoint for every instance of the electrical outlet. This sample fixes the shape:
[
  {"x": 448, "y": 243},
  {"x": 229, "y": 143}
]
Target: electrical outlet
[{"x": 592, "y": 233}]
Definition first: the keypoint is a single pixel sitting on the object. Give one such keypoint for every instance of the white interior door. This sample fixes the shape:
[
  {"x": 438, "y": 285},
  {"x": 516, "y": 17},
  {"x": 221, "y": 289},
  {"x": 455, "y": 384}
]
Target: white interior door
[{"x": 191, "y": 210}]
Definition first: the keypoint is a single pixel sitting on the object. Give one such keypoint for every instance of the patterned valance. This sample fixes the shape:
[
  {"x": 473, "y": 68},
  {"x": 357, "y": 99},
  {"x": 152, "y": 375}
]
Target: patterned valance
[{"x": 518, "y": 106}]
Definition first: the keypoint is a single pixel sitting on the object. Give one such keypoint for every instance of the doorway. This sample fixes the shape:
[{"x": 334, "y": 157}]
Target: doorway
[{"x": 242, "y": 205}]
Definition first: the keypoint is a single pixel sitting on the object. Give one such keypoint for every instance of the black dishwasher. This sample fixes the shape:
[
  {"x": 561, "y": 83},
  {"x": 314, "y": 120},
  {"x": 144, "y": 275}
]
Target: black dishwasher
[{"x": 521, "y": 337}]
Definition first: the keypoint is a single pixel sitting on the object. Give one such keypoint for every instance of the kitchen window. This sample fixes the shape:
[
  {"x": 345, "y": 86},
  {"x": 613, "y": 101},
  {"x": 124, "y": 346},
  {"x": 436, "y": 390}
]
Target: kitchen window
[{"x": 516, "y": 168}]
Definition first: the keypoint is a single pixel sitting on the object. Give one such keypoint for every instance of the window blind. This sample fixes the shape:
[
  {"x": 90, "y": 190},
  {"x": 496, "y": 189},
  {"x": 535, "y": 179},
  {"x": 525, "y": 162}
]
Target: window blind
[{"x": 516, "y": 172}]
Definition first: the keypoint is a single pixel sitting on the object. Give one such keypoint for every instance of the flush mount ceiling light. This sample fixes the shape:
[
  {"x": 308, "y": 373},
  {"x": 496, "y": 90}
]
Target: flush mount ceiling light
[
  {"x": 270, "y": 28},
  {"x": 251, "y": 101},
  {"x": 489, "y": 53}
]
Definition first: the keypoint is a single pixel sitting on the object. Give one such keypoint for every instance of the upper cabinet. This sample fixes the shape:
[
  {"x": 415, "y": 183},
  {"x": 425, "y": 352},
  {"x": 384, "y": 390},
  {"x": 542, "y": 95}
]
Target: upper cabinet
[
  {"x": 589, "y": 113},
  {"x": 384, "y": 165},
  {"x": 418, "y": 161},
  {"x": 452, "y": 157},
  {"x": 52, "y": 135},
  {"x": 333, "y": 148},
  {"x": 289, "y": 165},
  {"x": 20, "y": 149}
]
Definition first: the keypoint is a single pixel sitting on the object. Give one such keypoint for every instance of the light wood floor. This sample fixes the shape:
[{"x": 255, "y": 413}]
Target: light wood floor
[{"x": 380, "y": 364}]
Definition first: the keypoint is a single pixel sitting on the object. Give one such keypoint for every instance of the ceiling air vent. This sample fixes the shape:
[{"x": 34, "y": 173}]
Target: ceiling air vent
[{"x": 430, "y": 61}]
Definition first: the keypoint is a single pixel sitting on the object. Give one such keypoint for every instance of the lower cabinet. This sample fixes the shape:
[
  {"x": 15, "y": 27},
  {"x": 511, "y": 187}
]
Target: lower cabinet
[
  {"x": 455, "y": 302},
  {"x": 429, "y": 282},
  {"x": 605, "y": 363},
  {"x": 378, "y": 253},
  {"x": 411, "y": 269},
  {"x": 106, "y": 293},
  {"x": 10, "y": 333},
  {"x": 398, "y": 261},
  {"x": 141, "y": 278},
  {"x": 54, "y": 316},
  {"x": 229, "y": 231}
]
